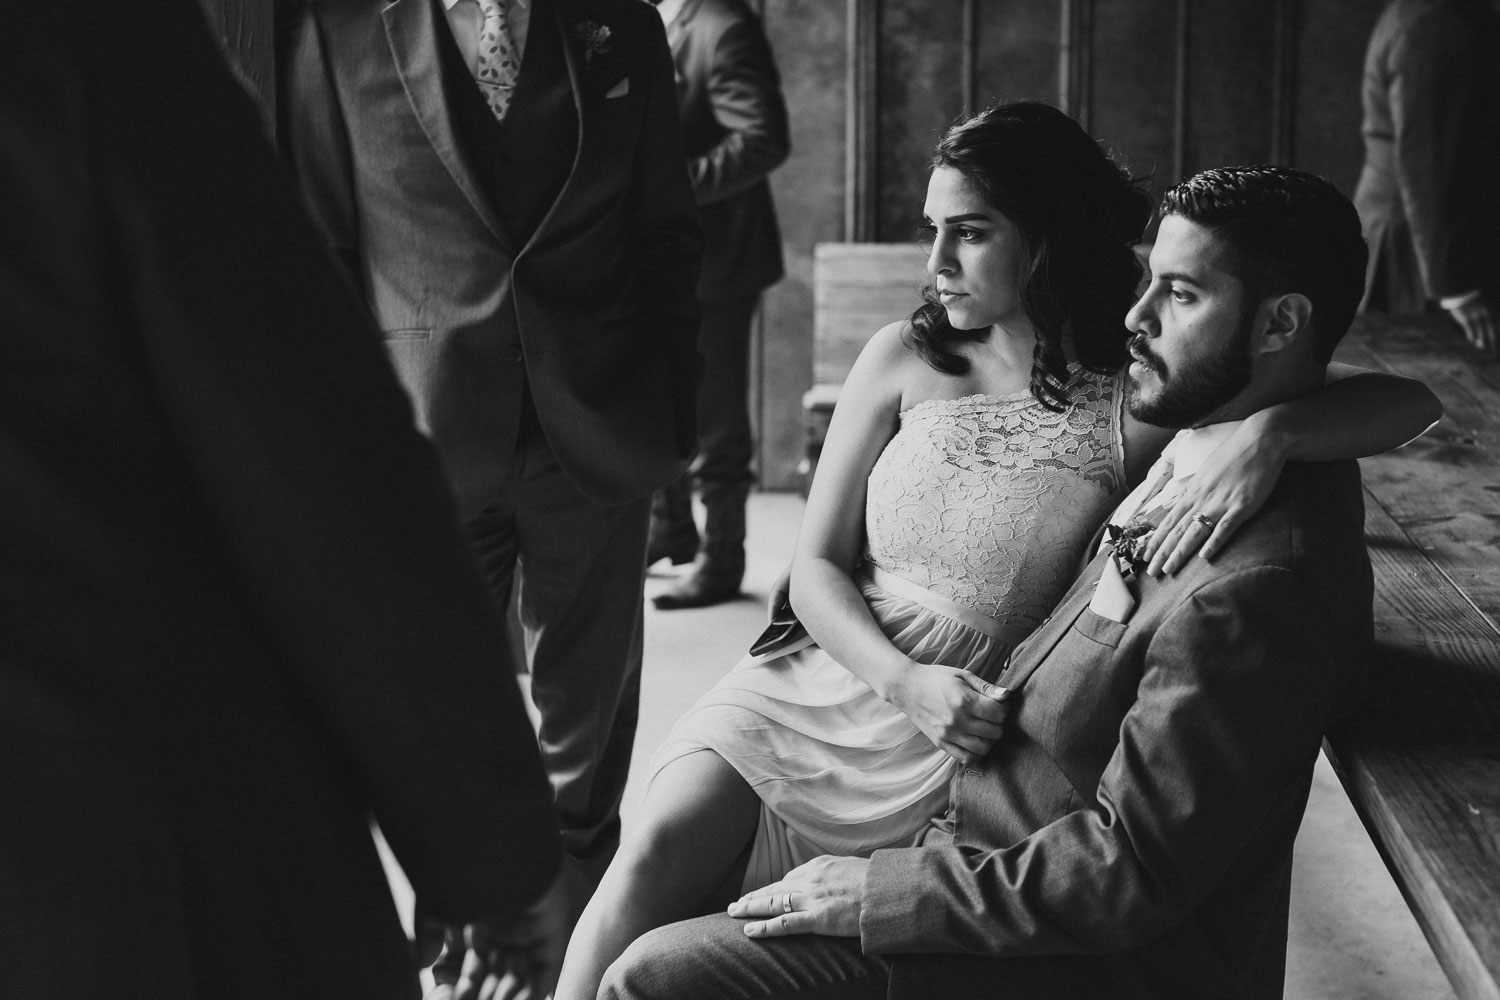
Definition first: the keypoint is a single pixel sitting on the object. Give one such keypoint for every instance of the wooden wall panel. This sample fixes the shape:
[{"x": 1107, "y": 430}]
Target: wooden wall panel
[
  {"x": 921, "y": 89},
  {"x": 1329, "y": 57},
  {"x": 1018, "y": 53},
  {"x": 1230, "y": 85},
  {"x": 1131, "y": 100},
  {"x": 809, "y": 42}
]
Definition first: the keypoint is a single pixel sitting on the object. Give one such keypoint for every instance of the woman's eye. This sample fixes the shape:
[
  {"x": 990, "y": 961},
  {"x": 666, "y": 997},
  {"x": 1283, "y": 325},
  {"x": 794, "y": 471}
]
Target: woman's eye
[
  {"x": 969, "y": 235},
  {"x": 926, "y": 235}
]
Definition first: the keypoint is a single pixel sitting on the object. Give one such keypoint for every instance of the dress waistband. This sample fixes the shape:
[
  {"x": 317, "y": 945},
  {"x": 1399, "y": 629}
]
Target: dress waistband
[{"x": 893, "y": 584}]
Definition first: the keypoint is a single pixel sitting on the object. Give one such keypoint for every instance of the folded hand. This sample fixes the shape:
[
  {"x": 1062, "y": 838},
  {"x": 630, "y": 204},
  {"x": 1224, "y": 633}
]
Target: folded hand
[
  {"x": 961, "y": 714},
  {"x": 516, "y": 959}
]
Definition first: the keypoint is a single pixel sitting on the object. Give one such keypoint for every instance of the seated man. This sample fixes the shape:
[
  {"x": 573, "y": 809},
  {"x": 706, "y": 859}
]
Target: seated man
[{"x": 1131, "y": 833}]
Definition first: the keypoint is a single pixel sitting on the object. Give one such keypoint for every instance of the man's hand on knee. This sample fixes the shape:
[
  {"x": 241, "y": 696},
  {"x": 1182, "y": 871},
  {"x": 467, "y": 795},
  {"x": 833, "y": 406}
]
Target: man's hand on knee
[{"x": 824, "y": 896}]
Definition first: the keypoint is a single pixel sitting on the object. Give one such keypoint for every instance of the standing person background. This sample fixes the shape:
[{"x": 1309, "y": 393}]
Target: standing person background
[
  {"x": 237, "y": 617},
  {"x": 734, "y": 129},
  {"x": 529, "y": 246},
  {"x": 1427, "y": 195}
]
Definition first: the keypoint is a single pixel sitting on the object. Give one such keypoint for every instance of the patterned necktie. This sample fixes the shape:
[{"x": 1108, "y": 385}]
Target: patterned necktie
[{"x": 498, "y": 65}]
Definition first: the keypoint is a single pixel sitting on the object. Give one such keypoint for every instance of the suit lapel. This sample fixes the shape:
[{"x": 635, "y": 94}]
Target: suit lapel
[
  {"x": 411, "y": 30},
  {"x": 1034, "y": 651},
  {"x": 564, "y": 17}
]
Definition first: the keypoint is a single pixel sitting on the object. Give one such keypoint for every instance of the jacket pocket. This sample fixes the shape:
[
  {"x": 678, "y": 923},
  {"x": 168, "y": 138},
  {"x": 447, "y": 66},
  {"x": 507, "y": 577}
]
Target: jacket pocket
[{"x": 1099, "y": 629}]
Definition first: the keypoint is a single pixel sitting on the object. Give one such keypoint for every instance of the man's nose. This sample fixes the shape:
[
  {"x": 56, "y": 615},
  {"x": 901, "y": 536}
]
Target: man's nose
[{"x": 1137, "y": 319}]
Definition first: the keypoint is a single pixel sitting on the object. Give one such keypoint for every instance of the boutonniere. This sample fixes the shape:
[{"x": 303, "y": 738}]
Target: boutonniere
[
  {"x": 1129, "y": 544},
  {"x": 596, "y": 38}
]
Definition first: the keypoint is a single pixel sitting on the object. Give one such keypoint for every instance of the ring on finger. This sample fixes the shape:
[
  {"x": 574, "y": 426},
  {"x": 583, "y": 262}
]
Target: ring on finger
[
  {"x": 786, "y": 903},
  {"x": 1205, "y": 520}
]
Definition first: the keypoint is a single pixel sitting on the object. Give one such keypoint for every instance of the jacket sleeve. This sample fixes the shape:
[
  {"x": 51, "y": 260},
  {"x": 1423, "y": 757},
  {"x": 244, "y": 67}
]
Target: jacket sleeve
[
  {"x": 1227, "y": 723},
  {"x": 665, "y": 222},
  {"x": 329, "y": 505},
  {"x": 744, "y": 90},
  {"x": 1435, "y": 90}
]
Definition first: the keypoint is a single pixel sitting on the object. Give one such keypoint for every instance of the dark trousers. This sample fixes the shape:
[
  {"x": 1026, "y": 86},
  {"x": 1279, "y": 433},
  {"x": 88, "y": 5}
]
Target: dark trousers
[
  {"x": 710, "y": 958},
  {"x": 725, "y": 443},
  {"x": 581, "y": 573}
]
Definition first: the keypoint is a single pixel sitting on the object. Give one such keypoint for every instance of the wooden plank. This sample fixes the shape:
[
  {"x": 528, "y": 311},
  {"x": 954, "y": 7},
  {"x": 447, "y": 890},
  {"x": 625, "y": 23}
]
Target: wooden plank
[
  {"x": 1444, "y": 489},
  {"x": 857, "y": 289},
  {"x": 1229, "y": 40},
  {"x": 919, "y": 92},
  {"x": 808, "y": 42},
  {"x": 1420, "y": 759}
]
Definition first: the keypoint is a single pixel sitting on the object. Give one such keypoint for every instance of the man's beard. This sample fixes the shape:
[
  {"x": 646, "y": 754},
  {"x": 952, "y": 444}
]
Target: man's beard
[{"x": 1186, "y": 396}]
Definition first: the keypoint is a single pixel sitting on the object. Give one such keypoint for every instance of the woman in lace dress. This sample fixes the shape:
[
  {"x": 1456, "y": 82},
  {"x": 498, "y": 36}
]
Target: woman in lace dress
[{"x": 975, "y": 450}]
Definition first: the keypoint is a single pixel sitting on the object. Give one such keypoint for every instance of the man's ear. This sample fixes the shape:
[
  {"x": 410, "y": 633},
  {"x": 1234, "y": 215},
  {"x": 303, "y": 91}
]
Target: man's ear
[{"x": 1281, "y": 321}]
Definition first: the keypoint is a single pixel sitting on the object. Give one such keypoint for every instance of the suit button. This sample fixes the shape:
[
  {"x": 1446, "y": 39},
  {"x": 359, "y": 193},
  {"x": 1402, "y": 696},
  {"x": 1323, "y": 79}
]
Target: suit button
[{"x": 513, "y": 354}]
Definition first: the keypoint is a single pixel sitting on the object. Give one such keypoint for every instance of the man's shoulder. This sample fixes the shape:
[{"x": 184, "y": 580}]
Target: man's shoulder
[{"x": 1311, "y": 527}]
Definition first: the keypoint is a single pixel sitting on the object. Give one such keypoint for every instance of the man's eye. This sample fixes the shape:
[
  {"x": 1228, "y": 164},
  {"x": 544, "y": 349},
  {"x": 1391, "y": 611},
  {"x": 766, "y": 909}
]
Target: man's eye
[{"x": 1178, "y": 295}]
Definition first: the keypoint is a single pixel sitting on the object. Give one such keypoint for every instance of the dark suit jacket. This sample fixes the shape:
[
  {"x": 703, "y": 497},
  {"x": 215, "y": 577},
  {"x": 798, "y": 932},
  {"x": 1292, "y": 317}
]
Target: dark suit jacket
[
  {"x": 236, "y": 617},
  {"x": 1137, "y": 818},
  {"x": 594, "y": 312},
  {"x": 1428, "y": 193},
  {"x": 734, "y": 130}
]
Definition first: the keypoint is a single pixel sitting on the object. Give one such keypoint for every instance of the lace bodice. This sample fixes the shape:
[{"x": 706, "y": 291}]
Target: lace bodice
[{"x": 989, "y": 500}]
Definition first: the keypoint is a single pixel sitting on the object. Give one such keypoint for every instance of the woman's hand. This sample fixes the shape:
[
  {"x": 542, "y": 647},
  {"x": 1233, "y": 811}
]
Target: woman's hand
[
  {"x": 1232, "y": 484},
  {"x": 961, "y": 714}
]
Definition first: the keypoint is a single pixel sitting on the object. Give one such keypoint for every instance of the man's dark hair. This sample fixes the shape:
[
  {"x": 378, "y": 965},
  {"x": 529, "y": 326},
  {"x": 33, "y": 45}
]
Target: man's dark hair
[{"x": 1282, "y": 230}]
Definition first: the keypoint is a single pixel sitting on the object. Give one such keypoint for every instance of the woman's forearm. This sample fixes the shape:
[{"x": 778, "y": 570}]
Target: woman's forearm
[
  {"x": 836, "y": 616},
  {"x": 1352, "y": 417}
]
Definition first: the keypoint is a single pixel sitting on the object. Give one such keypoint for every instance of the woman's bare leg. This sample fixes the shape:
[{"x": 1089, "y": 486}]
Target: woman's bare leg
[{"x": 696, "y": 819}]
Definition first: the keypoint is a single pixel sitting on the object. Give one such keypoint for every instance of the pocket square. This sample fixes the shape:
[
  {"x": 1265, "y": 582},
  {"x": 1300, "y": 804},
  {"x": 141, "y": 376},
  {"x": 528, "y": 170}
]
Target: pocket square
[
  {"x": 618, "y": 90},
  {"x": 1112, "y": 597}
]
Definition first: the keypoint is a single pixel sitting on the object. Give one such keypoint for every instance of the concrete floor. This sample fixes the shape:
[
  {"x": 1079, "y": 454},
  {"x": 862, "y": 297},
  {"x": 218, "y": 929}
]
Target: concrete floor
[{"x": 1352, "y": 936}]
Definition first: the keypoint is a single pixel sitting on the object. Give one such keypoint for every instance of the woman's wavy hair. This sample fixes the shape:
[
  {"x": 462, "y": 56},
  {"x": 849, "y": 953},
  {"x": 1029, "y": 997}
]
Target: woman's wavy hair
[{"x": 1080, "y": 215}]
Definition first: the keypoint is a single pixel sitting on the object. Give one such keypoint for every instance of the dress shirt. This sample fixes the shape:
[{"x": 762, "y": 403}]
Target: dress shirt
[
  {"x": 466, "y": 20},
  {"x": 1185, "y": 454},
  {"x": 668, "y": 9}
]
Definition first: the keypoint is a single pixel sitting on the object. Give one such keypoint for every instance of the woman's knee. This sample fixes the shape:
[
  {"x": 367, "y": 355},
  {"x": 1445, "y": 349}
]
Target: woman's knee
[{"x": 647, "y": 969}]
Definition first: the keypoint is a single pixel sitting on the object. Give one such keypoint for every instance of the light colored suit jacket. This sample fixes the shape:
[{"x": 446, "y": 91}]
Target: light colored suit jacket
[
  {"x": 734, "y": 130},
  {"x": 1428, "y": 194},
  {"x": 237, "y": 618},
  {"x": 1137, "y": 818},
  {"x": 595, "y": 311}
]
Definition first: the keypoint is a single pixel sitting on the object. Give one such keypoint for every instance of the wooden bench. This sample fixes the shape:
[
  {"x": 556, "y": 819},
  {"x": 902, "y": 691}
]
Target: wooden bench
[
  {"x": 857, "y": 289},
  {"x": 1421, "y": 759}
]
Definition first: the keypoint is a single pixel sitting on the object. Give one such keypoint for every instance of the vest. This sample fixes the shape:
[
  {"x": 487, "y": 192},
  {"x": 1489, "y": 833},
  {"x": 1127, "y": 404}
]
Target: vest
[{"x": 523, "y": 161}]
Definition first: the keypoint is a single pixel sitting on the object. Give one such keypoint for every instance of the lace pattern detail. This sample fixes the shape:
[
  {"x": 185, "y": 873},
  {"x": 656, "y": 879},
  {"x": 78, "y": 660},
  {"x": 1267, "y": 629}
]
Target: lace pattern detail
[{"x": 989, "y": 500}]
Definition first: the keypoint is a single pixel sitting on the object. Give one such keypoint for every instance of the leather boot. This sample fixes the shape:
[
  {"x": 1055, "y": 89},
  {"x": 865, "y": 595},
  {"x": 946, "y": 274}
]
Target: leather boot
[
  {"x": 673, "y": 535},
  {"x": 720, "y": 566}
]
